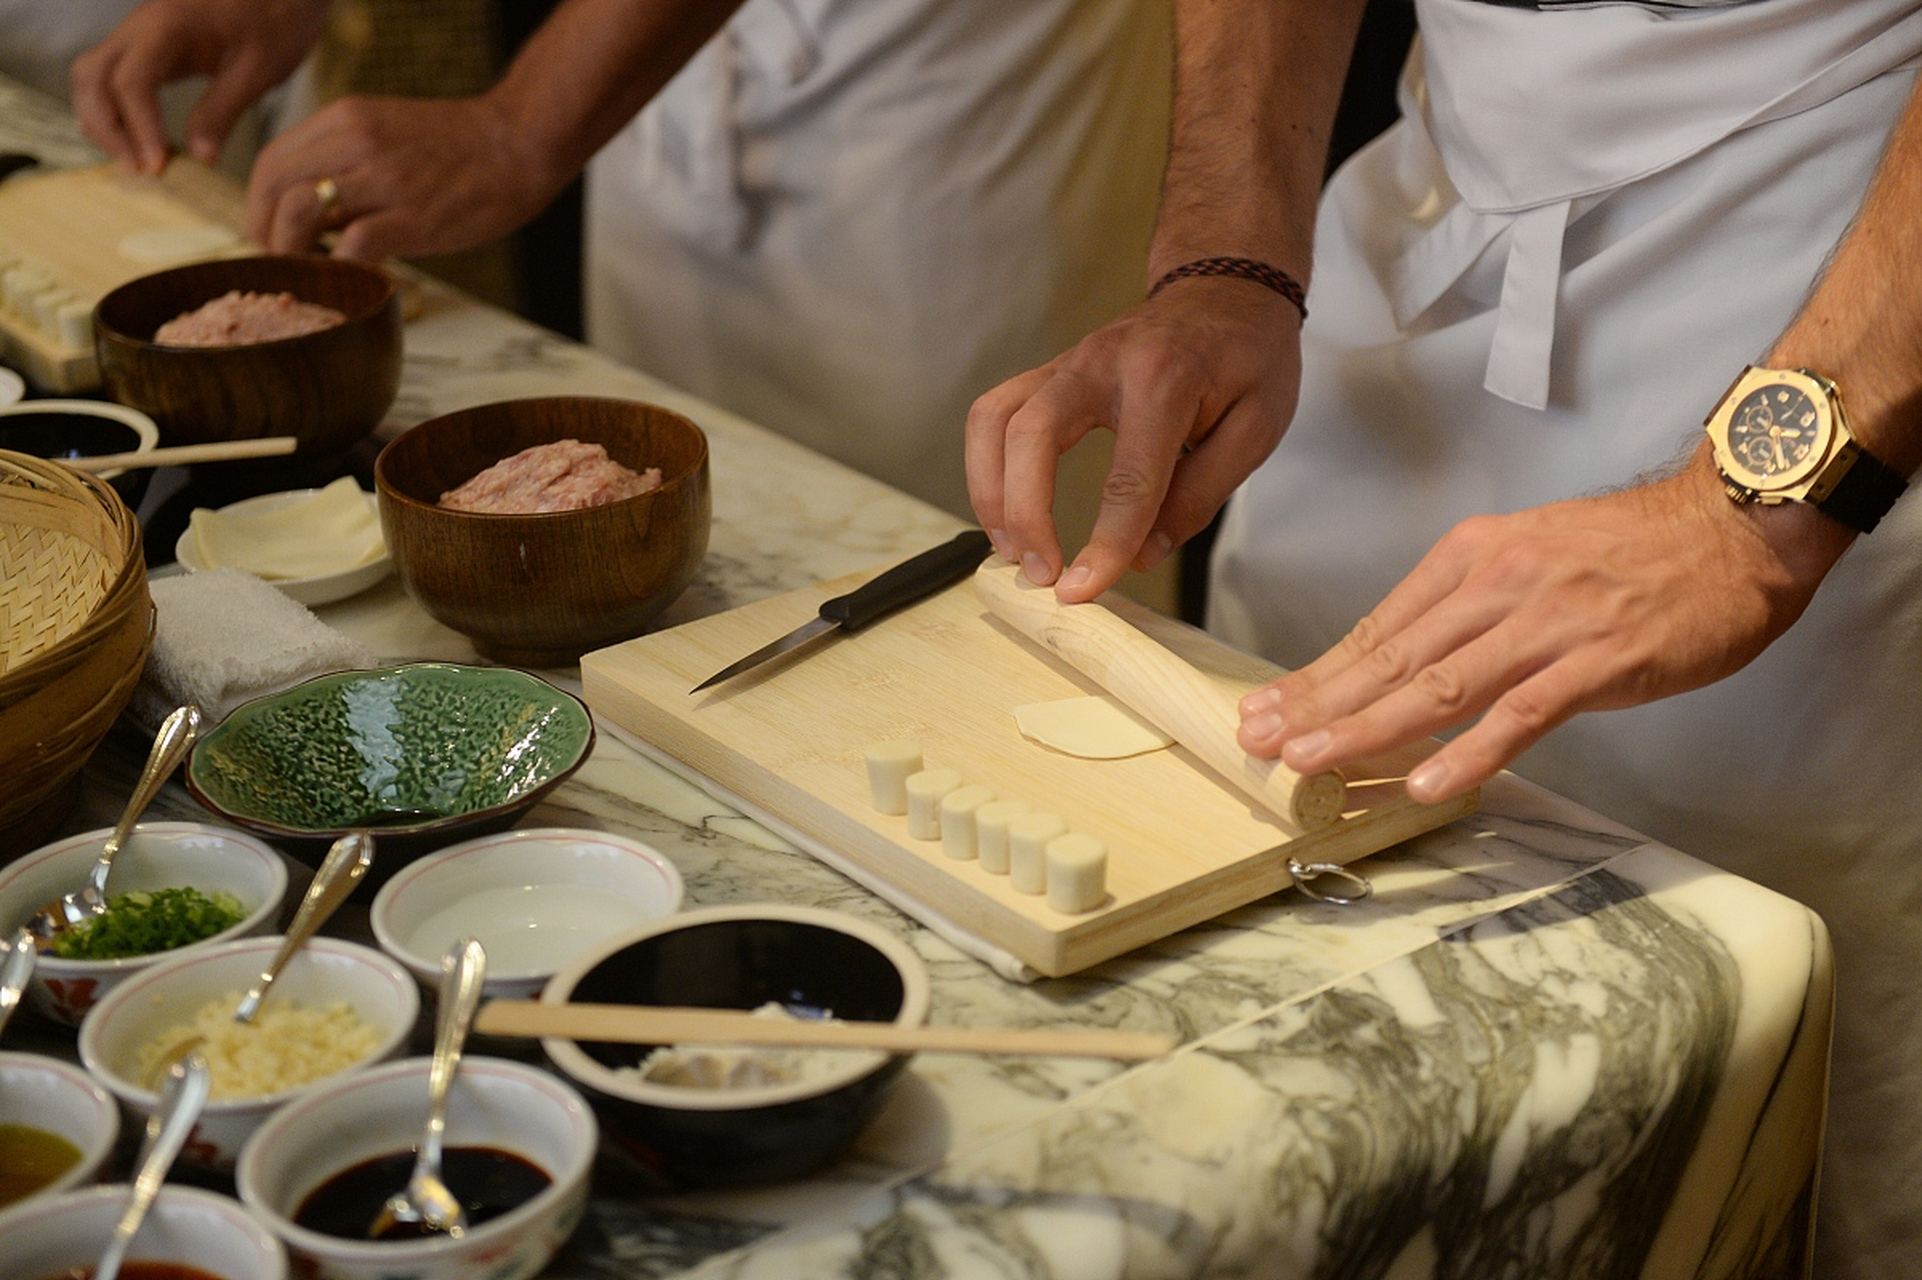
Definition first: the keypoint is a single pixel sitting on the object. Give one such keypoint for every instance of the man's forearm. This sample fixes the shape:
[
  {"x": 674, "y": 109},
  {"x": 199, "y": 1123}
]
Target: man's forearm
[
  {"x": 1862, "y": 326},
  {"x": 592, "y": 65},
  {"x": 1256, "y": 87}
]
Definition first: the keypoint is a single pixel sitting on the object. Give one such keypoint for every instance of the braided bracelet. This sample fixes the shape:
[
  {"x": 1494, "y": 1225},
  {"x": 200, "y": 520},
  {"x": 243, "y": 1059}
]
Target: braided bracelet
[{"x": 1241, "y": 269}]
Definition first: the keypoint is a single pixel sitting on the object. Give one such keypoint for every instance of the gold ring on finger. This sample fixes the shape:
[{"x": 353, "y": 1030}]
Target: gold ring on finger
[{"x": 327, "y": 191}]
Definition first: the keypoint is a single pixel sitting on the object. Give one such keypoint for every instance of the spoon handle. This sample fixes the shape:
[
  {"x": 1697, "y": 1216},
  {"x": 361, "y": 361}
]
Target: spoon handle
[
  {"x": 21, "y": 954},
  {"x": 342, "y": 869},
  {"x": 167, "y": 1131},
  {"x": 170, "y": 747},
  {"x": 462, "y": 971}
]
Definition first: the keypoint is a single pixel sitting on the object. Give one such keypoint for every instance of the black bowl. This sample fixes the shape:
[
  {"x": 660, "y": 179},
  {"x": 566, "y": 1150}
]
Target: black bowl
[
  {"x": 62, "y": 429},
  {"x": 742, "y": 957}
]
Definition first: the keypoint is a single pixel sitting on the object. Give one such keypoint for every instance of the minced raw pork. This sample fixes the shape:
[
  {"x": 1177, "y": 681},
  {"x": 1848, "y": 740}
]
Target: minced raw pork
[
  {"x": 237, "y": 319},
  {"x": 563, "y": 476}
]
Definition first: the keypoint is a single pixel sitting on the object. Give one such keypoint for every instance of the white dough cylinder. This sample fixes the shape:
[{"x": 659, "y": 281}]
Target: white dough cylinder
[
  {"x": 1077, "y": 873},
  {"x": 958, "y": 810},
  {"x": 926, "y": 790},
  {"x": 46, "y": 311},
  {"x": 889, "y": 766},
  {"x": 991, "y": 832},
  {"x": 1028, "y": 850},
  {"x": 76, "y": 323}
]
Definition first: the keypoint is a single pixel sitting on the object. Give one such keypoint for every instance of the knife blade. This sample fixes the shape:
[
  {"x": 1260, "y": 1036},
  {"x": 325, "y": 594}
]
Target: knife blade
[{"x": 905, "y": 583}]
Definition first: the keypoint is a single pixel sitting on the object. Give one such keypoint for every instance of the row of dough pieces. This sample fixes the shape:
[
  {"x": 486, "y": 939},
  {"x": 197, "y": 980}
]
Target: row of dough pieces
[
  {"x": 62, "y": 315},
  {"x": 1035, "y": 850},
  {"x": 32, "y": 295}
]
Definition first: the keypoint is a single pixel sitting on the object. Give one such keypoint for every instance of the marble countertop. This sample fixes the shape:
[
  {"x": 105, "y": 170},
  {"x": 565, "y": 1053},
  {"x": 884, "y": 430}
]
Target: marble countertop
[{"x": 1545, "y": 1047}]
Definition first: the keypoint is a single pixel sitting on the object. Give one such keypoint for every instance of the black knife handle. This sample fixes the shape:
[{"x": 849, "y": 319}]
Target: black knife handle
[{"x": 909, "y": 581}]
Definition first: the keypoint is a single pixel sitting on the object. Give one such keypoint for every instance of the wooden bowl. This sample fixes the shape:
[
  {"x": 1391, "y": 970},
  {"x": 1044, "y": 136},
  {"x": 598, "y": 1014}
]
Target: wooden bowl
[
  {"x": 540, "y": 590},
  {"x": 329, "y": 389}
]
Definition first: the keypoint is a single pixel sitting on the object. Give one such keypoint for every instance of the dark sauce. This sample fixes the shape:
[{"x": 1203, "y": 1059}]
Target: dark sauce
[{"x": 487, "y": 1181}]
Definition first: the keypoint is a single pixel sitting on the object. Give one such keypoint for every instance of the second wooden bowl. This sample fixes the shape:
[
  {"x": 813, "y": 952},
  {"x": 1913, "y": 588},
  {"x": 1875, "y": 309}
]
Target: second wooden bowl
[
  {"x": 541, "y": 590},
  {"x": 329, "y": 389}
]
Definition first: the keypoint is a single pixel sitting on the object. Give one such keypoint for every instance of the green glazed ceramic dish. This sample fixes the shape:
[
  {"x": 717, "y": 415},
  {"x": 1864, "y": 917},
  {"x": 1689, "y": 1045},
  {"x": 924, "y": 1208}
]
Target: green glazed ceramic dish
[{"x": 415, "y": 754}]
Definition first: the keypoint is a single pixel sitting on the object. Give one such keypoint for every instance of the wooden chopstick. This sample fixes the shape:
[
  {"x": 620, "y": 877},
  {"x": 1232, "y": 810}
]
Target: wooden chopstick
[
  {"x": 638, "y": 1024},
  {"x": 181, "y": 455}
]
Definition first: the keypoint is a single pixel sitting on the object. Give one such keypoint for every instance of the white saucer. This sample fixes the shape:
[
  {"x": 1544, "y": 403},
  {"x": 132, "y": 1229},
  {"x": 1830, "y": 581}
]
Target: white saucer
[{"x": 323, "y": 588}]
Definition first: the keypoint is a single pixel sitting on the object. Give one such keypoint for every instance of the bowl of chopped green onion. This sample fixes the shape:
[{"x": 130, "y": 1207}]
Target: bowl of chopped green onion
[{"x": 176, "y": 886}]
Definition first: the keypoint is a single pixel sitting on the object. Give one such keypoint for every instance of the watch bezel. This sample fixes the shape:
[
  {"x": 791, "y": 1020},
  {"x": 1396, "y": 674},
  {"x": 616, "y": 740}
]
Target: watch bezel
[{"x": 1796, "y": 481}]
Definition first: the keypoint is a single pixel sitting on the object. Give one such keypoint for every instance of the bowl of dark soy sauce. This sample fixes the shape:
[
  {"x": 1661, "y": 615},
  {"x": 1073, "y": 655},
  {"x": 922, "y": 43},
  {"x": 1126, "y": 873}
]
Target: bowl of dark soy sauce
[
  {"x": 519, "y": 1148},
  {"x": 487, "y": 1181}
]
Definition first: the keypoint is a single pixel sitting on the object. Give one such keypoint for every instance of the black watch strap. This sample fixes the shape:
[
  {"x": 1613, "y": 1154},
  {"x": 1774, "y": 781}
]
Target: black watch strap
[{"x": 1865, "y": 494}]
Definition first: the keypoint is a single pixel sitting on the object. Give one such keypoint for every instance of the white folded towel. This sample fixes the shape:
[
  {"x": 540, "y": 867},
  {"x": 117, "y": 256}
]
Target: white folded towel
[{"x": 222, "y": 637}]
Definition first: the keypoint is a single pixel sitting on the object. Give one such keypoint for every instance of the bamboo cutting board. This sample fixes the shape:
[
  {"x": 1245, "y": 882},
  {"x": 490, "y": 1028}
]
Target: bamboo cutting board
[
  {"x": 789, "y": 738},
  {"x": 88, "y": 231}
]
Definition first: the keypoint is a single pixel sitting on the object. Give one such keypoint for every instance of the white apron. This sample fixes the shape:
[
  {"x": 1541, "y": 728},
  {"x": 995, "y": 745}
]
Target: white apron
[
  {"x": 845, "y": 219},
  {"x": 39, "y": 39},
  {"x": 1535, "y": 287}
]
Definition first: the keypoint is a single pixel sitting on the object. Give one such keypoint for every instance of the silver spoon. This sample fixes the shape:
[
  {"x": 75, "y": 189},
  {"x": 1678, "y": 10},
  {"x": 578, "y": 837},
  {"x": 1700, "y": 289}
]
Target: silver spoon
[
  {"x": 345, "y": 865},
  {"x": 20, "y": 955},
  {"x": 426, "y": 1201},
  {"x": 167, "y": 1130},
  {"x": 170, "y": 747}
]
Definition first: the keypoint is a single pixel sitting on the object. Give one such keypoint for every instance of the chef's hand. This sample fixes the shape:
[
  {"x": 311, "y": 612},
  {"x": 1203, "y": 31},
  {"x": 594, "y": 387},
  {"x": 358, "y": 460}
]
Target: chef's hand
[
  {"x": 1197, "y": 383},
  {"x": 246, "y": 47},
  {"x": 1527, "y": 619},
  {"x": 412, "y": 176}
]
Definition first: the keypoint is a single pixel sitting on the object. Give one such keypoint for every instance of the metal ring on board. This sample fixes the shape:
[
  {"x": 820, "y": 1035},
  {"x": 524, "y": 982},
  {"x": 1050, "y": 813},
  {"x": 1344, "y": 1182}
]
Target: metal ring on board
[{"x": 1306, "y": 872}]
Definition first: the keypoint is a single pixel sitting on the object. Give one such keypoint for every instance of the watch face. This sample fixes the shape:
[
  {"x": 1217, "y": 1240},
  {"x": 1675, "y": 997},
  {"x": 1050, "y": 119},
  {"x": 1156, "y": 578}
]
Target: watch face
[{"x": 1774, "y": 429}]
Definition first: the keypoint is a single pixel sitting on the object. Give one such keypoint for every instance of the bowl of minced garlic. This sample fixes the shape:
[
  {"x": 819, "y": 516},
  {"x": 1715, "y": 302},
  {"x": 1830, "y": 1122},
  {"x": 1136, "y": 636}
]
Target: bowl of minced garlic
[{"x": 336, "y": 1007}]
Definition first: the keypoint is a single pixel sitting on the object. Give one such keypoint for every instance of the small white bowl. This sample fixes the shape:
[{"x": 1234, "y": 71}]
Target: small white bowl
[
  {"x": 12, "y": 387},
  {"x": 494, "y": 1103},
  {"x": 535, "y": 899},
  {"x": 154, "y": 1002},
  {"x": 324, "y": 588},
  {"x": 48, "y": 1236},
  {"x": 159, "y": 855},
  {"x": 46, "y": 1093}
]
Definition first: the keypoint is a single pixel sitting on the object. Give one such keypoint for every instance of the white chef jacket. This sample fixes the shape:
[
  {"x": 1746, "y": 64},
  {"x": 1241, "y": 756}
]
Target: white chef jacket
[
  {"x": 1535, "y": 287},
  {"x": 846, "y": 219}
]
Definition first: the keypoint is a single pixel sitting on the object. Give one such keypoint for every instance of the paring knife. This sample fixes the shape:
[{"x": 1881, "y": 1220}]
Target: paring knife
[{"x": 902, "y": 585}]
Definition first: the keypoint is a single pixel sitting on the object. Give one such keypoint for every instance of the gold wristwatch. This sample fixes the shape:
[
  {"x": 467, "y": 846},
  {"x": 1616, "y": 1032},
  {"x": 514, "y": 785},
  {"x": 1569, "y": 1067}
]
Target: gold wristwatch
[{"x": 1780, "y": 435}]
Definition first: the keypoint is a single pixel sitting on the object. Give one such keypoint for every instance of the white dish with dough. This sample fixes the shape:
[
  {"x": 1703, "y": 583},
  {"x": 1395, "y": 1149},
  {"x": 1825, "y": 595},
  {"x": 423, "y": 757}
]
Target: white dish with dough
[
  {"x": 323, "y": 588},
  {"x": 12, "y": 386}
]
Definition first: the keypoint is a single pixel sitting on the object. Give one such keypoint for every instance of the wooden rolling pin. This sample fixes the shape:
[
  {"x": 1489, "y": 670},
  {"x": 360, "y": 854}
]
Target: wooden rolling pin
[
  {"x": 1157, "y": 685},
  {"x": 641, "y": 1024}
]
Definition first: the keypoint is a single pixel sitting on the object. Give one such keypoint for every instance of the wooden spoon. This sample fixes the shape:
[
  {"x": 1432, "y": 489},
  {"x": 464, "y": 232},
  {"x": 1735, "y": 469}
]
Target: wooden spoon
[
  {"x": 181, "y": 455},
  {"x": 645, "y": 1024}
]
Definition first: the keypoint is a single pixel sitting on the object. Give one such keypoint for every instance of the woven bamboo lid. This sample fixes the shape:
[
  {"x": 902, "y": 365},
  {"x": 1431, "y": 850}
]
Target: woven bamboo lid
[{"x": 70, "y": 568}]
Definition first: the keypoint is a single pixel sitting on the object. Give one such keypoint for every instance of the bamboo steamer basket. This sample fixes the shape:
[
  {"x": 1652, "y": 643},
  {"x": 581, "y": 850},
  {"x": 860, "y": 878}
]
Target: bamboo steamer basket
[{"x": 76, "y": 624}]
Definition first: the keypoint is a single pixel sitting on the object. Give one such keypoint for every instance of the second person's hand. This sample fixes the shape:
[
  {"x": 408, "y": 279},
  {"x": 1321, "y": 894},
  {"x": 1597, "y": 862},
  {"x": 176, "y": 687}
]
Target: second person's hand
[
  {"x": 245, "y": 47},
  {"x": 397, "y": 176}
]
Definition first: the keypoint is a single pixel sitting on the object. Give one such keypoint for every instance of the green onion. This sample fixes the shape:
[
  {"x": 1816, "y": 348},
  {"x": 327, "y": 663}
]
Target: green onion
[{"x": 139, "y": 923}]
